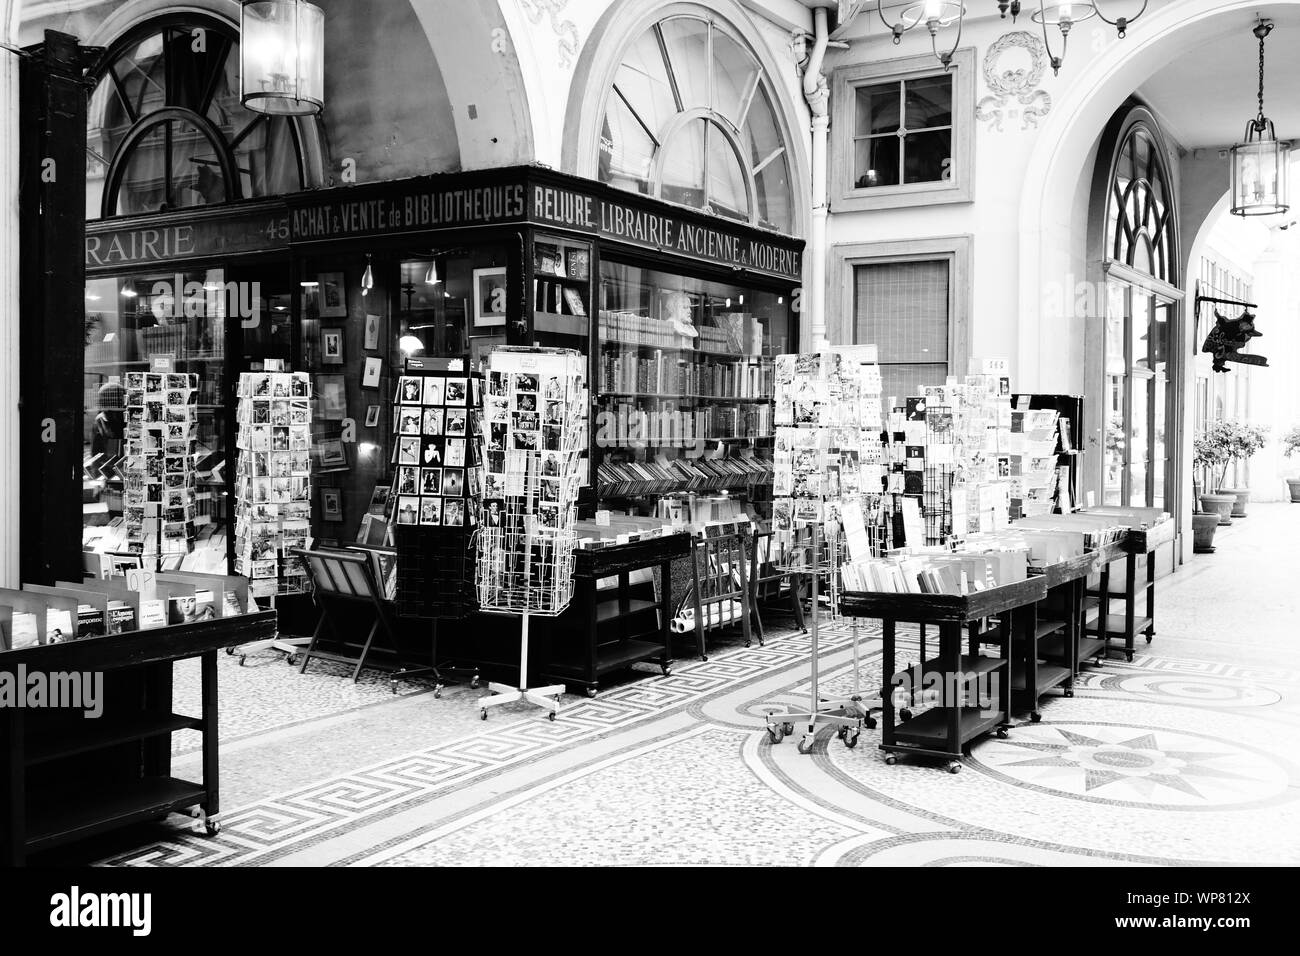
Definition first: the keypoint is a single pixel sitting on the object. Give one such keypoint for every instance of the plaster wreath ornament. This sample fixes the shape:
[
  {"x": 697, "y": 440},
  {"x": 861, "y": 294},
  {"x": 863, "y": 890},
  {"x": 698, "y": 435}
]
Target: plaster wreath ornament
[
  {"x": 1013, "y": 68},
  {"x": 566, "y": 30}
]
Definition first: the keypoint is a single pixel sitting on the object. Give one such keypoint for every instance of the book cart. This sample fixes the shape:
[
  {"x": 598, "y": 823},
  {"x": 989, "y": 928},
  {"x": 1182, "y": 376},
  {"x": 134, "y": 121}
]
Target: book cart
[
  {"x": 69, "y": 778},
  {"x": 1148, "y": 531},
  {"x": 1046, "y": 650},
  {"x": 946, "y": 730}
]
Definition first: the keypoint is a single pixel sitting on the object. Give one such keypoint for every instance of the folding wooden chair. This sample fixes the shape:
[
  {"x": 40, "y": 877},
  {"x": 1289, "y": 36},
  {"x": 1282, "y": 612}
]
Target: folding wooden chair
[
  {"x": 721, "y": 589},
  {"x": 347, "y": 579},
  {"x": 767, "y": 576}
]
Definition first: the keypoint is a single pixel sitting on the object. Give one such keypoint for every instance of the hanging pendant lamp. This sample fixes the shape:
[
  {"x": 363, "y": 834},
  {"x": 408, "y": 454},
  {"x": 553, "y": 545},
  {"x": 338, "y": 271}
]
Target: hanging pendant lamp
[{"x": 1259, "y": 165}]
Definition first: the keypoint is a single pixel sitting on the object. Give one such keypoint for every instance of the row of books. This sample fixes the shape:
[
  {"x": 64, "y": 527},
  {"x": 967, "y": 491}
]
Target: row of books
[
  {"x": 138, "y": 600},
  {"x": 739, "y": 333},
  {"x": 626, "y": 478},
  {"x": 937, "y": 573},
  {"x": 667, "y": 374},
  {"x": 665, "y": 424}
]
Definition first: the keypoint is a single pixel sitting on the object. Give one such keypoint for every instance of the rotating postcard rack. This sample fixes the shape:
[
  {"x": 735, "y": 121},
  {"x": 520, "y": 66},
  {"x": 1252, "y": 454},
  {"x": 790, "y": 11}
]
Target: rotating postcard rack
[
  {"x": 273, "y": 488},
  {"x": 828, "y": 473},
  {"x": 534, "y": 442},
  {"x": 437, "y": 454},
  {"x": 158, "y": 467}
]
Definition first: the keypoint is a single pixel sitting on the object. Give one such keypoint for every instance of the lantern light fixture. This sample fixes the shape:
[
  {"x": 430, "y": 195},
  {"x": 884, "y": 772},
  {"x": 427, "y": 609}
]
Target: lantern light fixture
[
  {"x": 1259, "y": 165},
  {"x": 367, "y": 277},
  {"x": 281, "y": 57},
  {"x": 431, "y": 277},
  {"x": 936, "y": 15}
]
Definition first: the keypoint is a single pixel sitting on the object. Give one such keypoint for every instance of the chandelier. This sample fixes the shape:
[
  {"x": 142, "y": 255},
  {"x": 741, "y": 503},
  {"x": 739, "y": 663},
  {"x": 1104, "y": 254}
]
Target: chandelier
[
  {"x": 1259, "y": 165},
  {"x": 935, "y": 14}
]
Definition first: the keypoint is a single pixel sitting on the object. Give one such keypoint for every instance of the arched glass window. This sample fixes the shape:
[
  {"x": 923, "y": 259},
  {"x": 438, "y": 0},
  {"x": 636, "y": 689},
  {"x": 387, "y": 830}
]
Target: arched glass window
[
  {"x": 690, "y": 119},
  {"x": 166, "y": 129},
  {"x": 1139, "y": 216},
  {"x": 1141, "y": 318}
]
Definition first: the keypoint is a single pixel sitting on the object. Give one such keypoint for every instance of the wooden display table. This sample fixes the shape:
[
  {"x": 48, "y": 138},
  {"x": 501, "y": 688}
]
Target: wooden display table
[
  {"x": 1046, "y": 650},
  {"x": 70, "y": 776},
  {"x": 947, "y": 729},
  {"x": 1138, "y": 541},
  {"x": 610, "y": 630}
]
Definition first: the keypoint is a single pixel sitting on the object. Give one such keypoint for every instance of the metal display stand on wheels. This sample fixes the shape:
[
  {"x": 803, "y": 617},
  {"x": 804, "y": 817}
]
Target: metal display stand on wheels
[
  {"x": 288, "y": 646},
  {"x": 847, "y": 715}
]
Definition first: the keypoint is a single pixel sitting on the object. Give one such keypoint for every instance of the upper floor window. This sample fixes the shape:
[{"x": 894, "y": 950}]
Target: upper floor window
[
  {"x": 166, "y": 129},
  {"x": 691, "y": 119},
  {"x": 902, "y": 132}
]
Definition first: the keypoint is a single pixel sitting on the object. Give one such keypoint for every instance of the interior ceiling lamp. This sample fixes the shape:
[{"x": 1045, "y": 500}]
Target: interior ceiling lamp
[
  {"x": 1009, "y": 6},
  {"x": 431, "y": 277},
  {"x": 367, "y": 277},
  {"x": 1063, "y": 16},
  {"x": 281, "y": 57},
  {"x": 1259, "y": 164},
  {"x": 1121, "y": 24},
  {"x": 935, "y": 14}
]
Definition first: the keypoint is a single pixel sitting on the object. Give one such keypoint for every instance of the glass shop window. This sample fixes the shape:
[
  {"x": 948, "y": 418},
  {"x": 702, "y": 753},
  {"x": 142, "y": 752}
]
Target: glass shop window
[
  {"x": 155, "y": 444},
  {"x": 683, "y": 417}
]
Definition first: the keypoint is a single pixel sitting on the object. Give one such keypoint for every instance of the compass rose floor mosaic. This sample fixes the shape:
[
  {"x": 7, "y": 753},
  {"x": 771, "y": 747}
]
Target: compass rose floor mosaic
[{"x": 1188, "y": 755}]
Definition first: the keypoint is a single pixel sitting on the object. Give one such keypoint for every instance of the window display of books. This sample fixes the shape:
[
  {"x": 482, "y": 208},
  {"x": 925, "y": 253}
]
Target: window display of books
[
  {"x": 535, "y": 444},
  {"x": 159, "y": 463},
  {"x": 273, "y": 479}
]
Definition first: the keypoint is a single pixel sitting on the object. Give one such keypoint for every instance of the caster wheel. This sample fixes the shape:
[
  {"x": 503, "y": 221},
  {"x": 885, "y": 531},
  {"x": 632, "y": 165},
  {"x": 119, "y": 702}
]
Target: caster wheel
[
  {"x": 482, "y": 714},
  {"x": 230, "y": 651},
  {"x": 212, "y": 827},
  {"x": 551, "y": 716},
  {"x": 437, "y": 692},
  {"x": 1150, "y": 637},
  {"x": 904, "y": 714},
  {"x": 1069, "y": 692},
  {"x": 806, "y": 744},
  {"x": 762, "y": 643},
  {"x": 704, "y": 658},
  {"x": 1035, "y": 717},
  {"x": 787, "y": 728},
  {"x": 851, "y": 741},
  {"x": 291, "y": 660},
  {"x": 954, "y": 767},
  {"x": 392, "y": 686},
  {"x": 775, "y": 735},
  {"x": 747, "y": 643},
  {"x": 891, "y": 760},
  {"x": 842, "y": 732},
  {"x": 1002, "y": 733},
  {"x": 666, "y": 671},
  {"x": 870, "y": 723},
  {"x": 1128, "y": 655},
  {"x": 473, "y": 684},
  {"x": 591, "y": 692},
  {"x": 242, "y": 658}
]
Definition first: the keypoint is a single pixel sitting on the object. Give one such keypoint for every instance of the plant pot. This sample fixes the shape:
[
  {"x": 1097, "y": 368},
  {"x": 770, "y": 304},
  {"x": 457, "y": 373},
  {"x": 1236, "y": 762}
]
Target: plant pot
[
  {"x": 1293, "y": 484},
  {"x": 1220, "y": 505},
  {"x": 1203, "y": 526},
  {"x": 1242, "y": 495}
]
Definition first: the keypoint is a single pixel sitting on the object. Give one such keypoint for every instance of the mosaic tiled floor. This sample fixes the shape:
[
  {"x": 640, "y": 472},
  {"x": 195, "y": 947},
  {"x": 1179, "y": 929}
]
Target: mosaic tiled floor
[{"x": 1172, "y": 759}]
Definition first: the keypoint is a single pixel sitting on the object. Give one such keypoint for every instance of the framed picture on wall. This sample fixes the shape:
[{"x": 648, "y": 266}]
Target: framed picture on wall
[
  {"x": 480, "y": 346},
  {"x": 372, "y": 416},
  {"x": 372, "y": 332},
  {"x": 332, "y": 396},
  {"x": 331, "y": 346},
  {"x": 370, "y": 377},
  {"x": 331, "y": 504},
  {"x": 333, "y": 456},
  {"x": 332, "y": 295},
  {"x": 490, "y": 297}
]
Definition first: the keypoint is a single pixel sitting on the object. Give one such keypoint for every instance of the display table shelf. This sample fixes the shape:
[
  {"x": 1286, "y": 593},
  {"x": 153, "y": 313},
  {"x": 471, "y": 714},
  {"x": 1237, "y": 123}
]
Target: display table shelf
[
  {"x": 1138, "y": 541},
  {"x": 70, "y": 777},
  {"x": 608, "y": 630},
  {"x": 946, "y": 730}
]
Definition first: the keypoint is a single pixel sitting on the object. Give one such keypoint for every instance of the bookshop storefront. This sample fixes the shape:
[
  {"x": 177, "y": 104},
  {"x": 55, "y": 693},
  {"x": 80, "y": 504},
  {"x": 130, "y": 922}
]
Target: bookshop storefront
[{"x": 678, "y": 312}]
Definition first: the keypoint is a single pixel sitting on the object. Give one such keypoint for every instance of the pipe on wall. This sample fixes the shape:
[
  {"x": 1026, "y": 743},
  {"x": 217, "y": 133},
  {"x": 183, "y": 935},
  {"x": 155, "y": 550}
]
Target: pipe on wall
[{"x": 816, "y": 92}]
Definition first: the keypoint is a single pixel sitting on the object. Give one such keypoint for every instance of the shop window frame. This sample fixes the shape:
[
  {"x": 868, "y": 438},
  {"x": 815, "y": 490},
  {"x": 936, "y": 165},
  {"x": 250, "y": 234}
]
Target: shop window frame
[{"x": 847, "y": 80}]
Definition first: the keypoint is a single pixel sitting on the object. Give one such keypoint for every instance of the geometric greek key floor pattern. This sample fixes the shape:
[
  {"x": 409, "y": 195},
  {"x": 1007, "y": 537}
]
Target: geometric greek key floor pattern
[{"x": 1174, "y": 758}]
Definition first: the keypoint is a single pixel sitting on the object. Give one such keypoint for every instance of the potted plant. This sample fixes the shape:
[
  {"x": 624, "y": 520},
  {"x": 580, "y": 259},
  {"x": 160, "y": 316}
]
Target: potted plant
[
  {"x": 1240, "y": 441},
  {"x": 1291, "y": 446},
  {"x": 1209, "y": 452}
]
